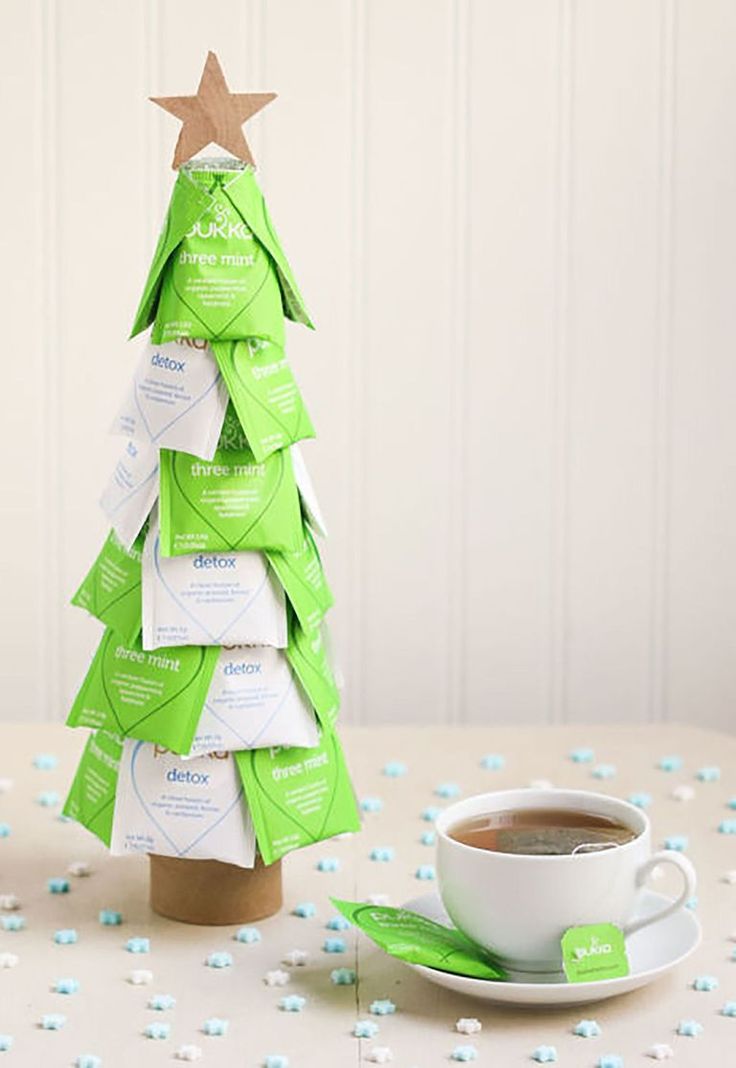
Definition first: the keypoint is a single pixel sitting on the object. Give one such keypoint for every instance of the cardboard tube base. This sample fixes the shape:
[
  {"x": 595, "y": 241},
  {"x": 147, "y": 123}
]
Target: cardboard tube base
[{"x": 210, "y": 892}]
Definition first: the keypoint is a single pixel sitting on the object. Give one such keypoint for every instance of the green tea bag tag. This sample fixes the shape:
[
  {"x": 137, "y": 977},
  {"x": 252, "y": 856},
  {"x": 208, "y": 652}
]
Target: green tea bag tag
[
  {"x": 300, "y": 573},
  {"x": 594, "y": 951},
  {"x": 91, "y": 798},
  {"x": 111, "y": 590},
  {"x": 307, "y": 654}
]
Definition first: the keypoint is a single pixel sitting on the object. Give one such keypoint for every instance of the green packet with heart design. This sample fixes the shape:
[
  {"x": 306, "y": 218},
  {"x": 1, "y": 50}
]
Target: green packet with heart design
[
  {"x": 307, "y": 654},
  {"x": 264, "y": 394},
  {"x": 300, "y": 573},
  {"x": 230, "y": 504},
  {"x": 155, "y": 696},
  {"x": 111, "y": 590},
  {"x": 218, "y": 271},
  {"x": 414, "y": 938},
  {"x": 91, "y": 797},
  {"x": 298, "y": 796}
]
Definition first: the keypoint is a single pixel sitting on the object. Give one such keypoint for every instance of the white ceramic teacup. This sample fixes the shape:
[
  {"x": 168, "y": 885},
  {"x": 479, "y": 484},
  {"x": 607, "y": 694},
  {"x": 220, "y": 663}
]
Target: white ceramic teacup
[{"x": 519, "y": 906}]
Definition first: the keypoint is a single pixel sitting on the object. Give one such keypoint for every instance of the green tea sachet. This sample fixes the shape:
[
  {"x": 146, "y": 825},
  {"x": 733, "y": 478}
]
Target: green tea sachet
[
  {"x": 156, "y": 696},
  {"x": 298, "y": 796},
  {"x": 229, "y": 505},
  {"x": 218, "y": 271},
  {"x": 418, "y": 940},
  {"x": 91, "y": 797},
  {"x": 264, "y": 393},
  {"x": 300, "y": 573},
  {"x": 111, "y": 590},
  {"x": 307, "y": 654}
]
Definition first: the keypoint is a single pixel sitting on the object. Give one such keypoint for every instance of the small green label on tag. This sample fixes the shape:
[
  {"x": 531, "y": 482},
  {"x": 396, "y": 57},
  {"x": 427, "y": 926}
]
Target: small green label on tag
[{"x": 594, "y": 951}]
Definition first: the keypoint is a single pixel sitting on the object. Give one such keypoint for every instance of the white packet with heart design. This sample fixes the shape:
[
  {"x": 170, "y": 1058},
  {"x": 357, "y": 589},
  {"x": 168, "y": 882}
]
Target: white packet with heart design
[
  {"x": 308, "y": 498},
  {"x": 209, "y": 598},
  {"x": 177, "y": 399},
  {"x": 194, "y": 809},
  {"x": 132, "y": 491},
  {"x": 254, "y": 701}
]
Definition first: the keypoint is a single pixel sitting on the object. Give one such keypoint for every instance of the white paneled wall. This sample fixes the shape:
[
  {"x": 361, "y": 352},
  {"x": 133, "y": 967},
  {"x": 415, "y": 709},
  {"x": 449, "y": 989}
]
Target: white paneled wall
[{"x": 515, "y": 225}]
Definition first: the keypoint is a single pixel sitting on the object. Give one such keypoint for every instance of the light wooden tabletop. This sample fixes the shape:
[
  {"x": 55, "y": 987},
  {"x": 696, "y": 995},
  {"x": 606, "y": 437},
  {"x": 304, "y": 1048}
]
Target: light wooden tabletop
[{"x": 108, "y": 1014}]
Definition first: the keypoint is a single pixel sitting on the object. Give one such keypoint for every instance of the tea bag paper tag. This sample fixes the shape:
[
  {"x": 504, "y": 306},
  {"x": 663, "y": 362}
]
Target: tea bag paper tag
[
  {"x": 91, "y": 798},
  {"x": 298, "y": 796},
  {"x": 300, "y": 573},
  {"x": 111, "y": 589},
  {"x": 155, "y": 696},
  {"x": 254, "y": 701},
  {"x": 594, "y": 951},
  {"x": 210, "y": 598},
  {"x": 178, "y": 808},
  {"x": 411, "y": 937},
  {"x": 177, "y": 399},
  {"x": 307, "y": 494},
  {"x": 229, "y": 505},
  {"x": 132, "y": 491},
  {"x": 264, "y": 394}
]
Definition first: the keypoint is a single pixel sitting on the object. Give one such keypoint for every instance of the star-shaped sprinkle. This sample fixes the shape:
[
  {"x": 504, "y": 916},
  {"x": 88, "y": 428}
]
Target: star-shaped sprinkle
[
  {"x": 188, "y": 1053},
  {"x": 140, "y": 977},
  {"x": 9, "y": 902},
  {"x": 292, "y": 1003},
  {"x": 691, "y": 903},
  {"x": 447, "y": 789},
  {"x": 727, "y": 827},
  {"x": 689, "y": 1028},
  {"x": 45, "y": 761},
  {"x": 305, "y": 909},
  {"x": 215, "y": 1026},
  {"x": 705, "y": 982},
  {"x": 430, "y": 813},
  {"x": 219, "y": 959},
  {"x": 138, "y": 945},
  {"x": 161, "y": 1002},
  {"x": 6, "y": 785},
  {"x": 328, "y": 864},
  {"x": 337, "y": 923},
  {"x": 58, "y": 886},
  {"x": 79, "y": 868},
  {"x": 426, "y": 872},
  {"x": 342, "y": 977},
  {"x": 249, "y": 935},
  {"x": 382, "y": 853},
  {"x": 66, "y": 986},
  {"x": 708, "y": 774},
  {"x": 464, "y": 1053},
  {"x": 365, "y": 1029},
  {"x": 48, "y": 798},
  {"x": 378, "y": 899},
  {"x": 110, "y": 917},
  {"x": 641, "y": 800},
  {"x": 492, "y": 762},
  {"x": 52, "y": 1021},
  {"x": 544, "y": 1054},
  {"x": 587, "y": 1029},
  {"x": 380, "y": 1055},
  {"x": 157, "y": 1030},
  {"x": 334, "y": 945},
  {"x": 8, "y": 960},
  {"x": 683, "y": 792},
  {"x": 5, "y": 830},
  {"x": 428, "y": 838},
  {"x": 678, "y": 842},
  {"x": 382, "y": 1007},
  {"x": 6, "y": 1042},
  {"x": 395, "y": 769},
  {"x": 582, "y": 755},
  {"x": 610, "y": 1060},
  {"x": 604, "y": 771},
  {"x": 660, "y": 1051},
  {"x": 297, "y": 958},
  {"x": 371, "y": 804},
  {"x": 88, "y": 1060},
  {"x": 13, "y": 922},
  {"x": 275, "y": 1060},
  {"x": 468, "y": 1025},
  {"x": 277, "y": 977},
  {"x": 729, "y": 1009},
  {"x": 670, "y": 763},
  {"x": 214, "y": 115}
]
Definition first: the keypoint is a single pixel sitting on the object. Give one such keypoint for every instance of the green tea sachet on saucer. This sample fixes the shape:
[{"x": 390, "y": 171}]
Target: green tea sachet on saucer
[
  {"x": 111, "y": 590},
  {"x": 264, "y": 393},
  {"x": 219, "y": 271},
  {"x": 155, "y": 696},
  {"x": 229, "y": 505},
  {"x": 91, "y": 797},
  {"x": 418, "y": 940},
  {"x": 300, "y": 573},
  {"x": 298, "y": 796}
]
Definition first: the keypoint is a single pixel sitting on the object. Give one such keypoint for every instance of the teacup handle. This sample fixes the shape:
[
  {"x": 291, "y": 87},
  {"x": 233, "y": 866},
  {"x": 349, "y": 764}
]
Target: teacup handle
[{"x": 664, "y": 856}]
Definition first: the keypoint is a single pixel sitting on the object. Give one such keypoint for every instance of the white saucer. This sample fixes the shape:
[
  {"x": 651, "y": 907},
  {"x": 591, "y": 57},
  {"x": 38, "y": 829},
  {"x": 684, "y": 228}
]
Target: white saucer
[{"x": 653, "y": 952}]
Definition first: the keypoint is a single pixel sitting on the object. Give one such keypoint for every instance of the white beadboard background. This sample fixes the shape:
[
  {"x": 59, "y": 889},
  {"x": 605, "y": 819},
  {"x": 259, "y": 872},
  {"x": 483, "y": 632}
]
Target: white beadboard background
[{"x": 514, "y": 222}]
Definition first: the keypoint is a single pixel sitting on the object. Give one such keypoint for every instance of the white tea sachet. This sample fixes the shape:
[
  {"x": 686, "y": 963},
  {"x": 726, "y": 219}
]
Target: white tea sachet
[
  {"x": 254, "y": 700},
  {"x": 307, "y": 495},
  {"x": 132, "y": 491},
  {"x": 210, "y": 598},
  {"x": 181, "y": 808},
  {"x": 177, "y": 399}
]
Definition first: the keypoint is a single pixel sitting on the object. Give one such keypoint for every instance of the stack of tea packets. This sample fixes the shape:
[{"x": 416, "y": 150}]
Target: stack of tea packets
[{"x": 211, "y": 696}]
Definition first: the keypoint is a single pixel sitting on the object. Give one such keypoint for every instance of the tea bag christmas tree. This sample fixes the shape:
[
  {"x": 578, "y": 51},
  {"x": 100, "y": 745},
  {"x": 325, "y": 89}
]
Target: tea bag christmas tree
[{"x": 211, "y": 696}]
